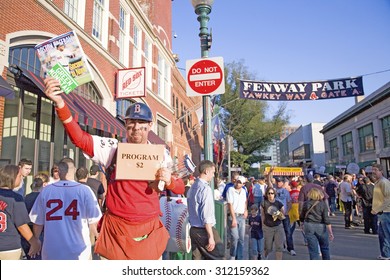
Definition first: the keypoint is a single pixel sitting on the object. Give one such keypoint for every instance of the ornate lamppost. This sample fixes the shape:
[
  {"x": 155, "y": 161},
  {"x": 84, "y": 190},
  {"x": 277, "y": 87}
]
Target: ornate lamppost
[{"x": 203, "y": 9}]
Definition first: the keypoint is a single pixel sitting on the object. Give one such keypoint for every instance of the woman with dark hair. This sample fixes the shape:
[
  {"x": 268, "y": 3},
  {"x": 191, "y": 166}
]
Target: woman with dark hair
[
  {"x": 272, "y": 212},
  {"x": 317, "y": 227},
  {"x": 14, "y": 218},
  {"x": 54, "y": 174}
]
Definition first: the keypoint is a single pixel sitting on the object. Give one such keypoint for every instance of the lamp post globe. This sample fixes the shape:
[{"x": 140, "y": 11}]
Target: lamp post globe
[{"x": 196, "y": 3}]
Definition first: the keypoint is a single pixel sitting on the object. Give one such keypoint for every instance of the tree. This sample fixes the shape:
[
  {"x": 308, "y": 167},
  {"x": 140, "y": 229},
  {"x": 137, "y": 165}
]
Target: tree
[{"x": 246, "y": 120}]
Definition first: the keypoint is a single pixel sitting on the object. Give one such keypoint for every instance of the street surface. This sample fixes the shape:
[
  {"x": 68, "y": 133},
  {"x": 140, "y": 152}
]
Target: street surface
[{"x": 348, "y": 244}]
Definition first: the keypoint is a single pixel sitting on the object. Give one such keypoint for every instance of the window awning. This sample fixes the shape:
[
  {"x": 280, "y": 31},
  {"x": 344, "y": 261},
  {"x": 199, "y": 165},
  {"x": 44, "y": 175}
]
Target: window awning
[
  {"x": 84, "y": 111},
  {"x": 91, "y": 114},
  {"x": 5, "y": 89},
  {"x": 155, "y": 139}
]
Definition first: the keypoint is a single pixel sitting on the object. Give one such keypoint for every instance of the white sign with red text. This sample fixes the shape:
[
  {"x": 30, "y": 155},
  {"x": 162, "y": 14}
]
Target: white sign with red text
[
  {"x": 130, "y": 83},
  {"x": 205, "y": 76}
]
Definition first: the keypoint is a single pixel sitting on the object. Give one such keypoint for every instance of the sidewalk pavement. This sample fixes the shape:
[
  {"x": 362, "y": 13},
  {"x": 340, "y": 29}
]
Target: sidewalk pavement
[{"x": 348, "y": 244}]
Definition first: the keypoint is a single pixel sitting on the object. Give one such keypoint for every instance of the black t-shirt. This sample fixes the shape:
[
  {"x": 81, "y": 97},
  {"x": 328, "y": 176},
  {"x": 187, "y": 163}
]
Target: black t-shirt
[
  {"x": 96, "y": 186},
  {"x": 269, "y": 209},
  {"x": 13, "y": 214},
  {"x": 30, "y": 199},
  {"x": 330, "y": 189}
]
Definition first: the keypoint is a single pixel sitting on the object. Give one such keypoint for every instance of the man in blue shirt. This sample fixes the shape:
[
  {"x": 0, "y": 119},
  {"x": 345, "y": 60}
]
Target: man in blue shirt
[{"x": 205, "y": 240}]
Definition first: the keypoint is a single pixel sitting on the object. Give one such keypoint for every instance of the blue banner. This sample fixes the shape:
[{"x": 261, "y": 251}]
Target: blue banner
[{"x": 298, "y": 91}]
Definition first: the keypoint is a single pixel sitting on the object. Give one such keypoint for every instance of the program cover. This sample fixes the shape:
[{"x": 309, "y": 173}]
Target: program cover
[{"x": 65, "y": 52}]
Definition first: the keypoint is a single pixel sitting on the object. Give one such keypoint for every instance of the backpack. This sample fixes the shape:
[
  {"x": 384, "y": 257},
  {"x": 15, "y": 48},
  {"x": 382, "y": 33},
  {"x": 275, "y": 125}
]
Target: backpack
[
  {"x": 227, "y": 186},
  {"x": 366, "y": 192}
]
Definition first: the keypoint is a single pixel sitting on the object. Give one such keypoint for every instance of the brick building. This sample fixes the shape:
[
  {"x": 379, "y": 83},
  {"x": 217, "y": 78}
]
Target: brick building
[{"x": 114, "y": 34}]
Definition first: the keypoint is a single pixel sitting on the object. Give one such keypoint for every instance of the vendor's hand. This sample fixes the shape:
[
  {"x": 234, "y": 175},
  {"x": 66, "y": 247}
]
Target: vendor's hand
[
  {"x": 53, "y": 90},
  {"x": 164, "y": 174}
]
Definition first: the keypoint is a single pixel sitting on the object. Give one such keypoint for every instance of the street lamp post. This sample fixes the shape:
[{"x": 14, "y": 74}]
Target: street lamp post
[{"x": 203, "y": 9}]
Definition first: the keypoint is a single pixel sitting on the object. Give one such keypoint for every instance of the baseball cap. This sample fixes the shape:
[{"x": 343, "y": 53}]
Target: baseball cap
[
  {"x": 279, "y": 179},
  {"x": 139, "y": 111},
  {"x": 294, "y": 184},
  {"x": 94, "y": 169},
  {"x": 242, "y": 179}
]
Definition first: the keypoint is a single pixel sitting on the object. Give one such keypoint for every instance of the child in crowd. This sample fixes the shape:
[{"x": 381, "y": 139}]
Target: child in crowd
[{"x": 256, "y": 238}]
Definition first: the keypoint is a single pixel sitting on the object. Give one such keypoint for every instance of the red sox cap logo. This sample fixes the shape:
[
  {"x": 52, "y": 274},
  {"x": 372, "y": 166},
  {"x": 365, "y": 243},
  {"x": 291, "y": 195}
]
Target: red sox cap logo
[{"x": 137, "y": 108}]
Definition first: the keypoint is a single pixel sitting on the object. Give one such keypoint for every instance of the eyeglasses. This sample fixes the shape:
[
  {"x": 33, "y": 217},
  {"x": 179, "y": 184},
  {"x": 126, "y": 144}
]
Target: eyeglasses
[{"x": 271, "y": 193}]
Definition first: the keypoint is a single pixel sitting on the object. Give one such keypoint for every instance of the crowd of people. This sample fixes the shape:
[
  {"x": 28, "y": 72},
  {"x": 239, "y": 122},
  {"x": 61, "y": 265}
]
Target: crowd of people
[
  {"x": 75, "y": 214},
  {"x": 309, "y": 202},
  {"x": 37, "y": 224}
]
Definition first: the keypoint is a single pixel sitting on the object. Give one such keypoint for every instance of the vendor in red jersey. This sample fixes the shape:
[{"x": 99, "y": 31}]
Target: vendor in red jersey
[{"x": 131, "y": 228}]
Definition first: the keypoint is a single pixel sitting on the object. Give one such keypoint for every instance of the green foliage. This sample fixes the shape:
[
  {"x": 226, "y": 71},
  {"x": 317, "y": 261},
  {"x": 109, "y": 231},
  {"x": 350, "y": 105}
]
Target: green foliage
[
  {"x": 247, "y": 120},
  {"x": 239, "y": 159}
]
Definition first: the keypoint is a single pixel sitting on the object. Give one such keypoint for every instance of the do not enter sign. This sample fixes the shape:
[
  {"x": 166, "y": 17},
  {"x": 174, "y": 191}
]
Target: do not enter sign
[{"x": 205, "y": 76}]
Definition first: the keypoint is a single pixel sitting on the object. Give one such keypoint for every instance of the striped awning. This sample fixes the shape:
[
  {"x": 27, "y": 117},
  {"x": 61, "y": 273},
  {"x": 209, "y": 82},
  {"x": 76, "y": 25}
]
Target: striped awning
[
  {"x": 6, "y": 90},
  {"x": 285, "y": 171},
  {"x": 84, "y": 111},
  {"x": 89, "y": 113}
]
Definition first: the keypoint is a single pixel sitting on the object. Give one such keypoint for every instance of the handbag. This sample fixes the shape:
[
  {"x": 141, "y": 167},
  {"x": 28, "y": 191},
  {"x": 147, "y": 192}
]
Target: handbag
[{"x": 311, "y": 208}]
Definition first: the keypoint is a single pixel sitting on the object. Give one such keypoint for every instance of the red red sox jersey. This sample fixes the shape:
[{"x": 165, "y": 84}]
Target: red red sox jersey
[{"x": 122, "y": 193}]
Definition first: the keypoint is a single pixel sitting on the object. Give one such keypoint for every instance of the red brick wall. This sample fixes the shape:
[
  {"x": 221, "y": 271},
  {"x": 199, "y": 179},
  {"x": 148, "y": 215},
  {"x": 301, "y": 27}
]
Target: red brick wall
[{"x": 158, "y": 18}]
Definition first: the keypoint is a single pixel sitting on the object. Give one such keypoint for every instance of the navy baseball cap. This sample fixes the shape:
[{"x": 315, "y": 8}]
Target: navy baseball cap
[{"x": 279, "y": 179}]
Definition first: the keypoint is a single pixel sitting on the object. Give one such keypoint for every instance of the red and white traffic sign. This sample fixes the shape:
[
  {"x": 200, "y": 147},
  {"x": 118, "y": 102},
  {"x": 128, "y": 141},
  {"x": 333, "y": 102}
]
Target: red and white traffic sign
[{"x": 205, "y": 76}]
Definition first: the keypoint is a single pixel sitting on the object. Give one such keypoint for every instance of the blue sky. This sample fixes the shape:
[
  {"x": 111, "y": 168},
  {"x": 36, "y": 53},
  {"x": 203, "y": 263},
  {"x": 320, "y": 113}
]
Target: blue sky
[{"x": 295, "y": 40}]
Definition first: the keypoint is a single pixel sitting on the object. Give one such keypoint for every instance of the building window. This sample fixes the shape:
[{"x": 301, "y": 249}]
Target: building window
[
  {"x": 122, "y": 34},
  {"x": 386, "y": 131},
  {"x": 366, "y": 138},
  {"x": 333, "y": 148},
  {"x": 184, "y": 116},
  {"x": 26, "y": 57},
  {"x": 173, "y": 103},
  {"x": 160, "y": 78},
  {"x": 90, "y": 92},
  {"x": 136, "y": 51},
  {"x": 97, "y": 20},
  {"x": 148, "y": 63},
  {"x": 177, "y": 107},
  {"x": 70, "y": 8},
  {"x": 10, "y": 127},
  {"x": 162, "y": 130},
  {"x": 163, "y": 80},
  {"x": 189, "y": 120},
  {"x": 167, "y": 92},
  {"x": 182, "y": 112},
  {"x": 347, "y": 144},
  {"x": 121, "y": 107}
]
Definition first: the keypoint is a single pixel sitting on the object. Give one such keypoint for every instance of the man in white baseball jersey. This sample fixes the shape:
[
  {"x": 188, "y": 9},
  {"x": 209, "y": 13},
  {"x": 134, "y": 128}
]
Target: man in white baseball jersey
[{"x": 67, "y": 211}]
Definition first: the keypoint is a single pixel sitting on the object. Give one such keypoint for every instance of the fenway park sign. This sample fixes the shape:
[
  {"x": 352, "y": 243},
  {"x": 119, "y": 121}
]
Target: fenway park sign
[{"x": 282, "y": 91}]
